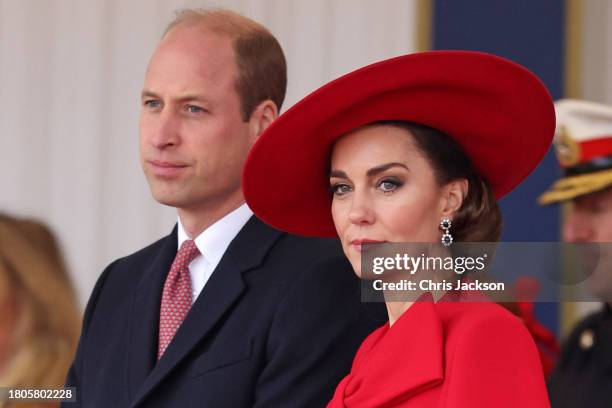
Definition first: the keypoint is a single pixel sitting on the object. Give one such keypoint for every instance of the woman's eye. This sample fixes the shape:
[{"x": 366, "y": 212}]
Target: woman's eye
[
  {"x": 389, "y": 185},
  {"x": 340, "y": 189}
]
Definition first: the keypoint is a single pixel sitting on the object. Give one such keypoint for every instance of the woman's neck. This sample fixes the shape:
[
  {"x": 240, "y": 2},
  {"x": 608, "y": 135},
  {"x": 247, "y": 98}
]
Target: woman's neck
[{"x": 396, "y": 309}]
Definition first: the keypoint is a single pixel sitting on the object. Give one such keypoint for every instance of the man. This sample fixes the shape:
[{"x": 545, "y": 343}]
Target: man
[
  {"x": 584, "y": 148},
  {"x": 242, "y": 315}
]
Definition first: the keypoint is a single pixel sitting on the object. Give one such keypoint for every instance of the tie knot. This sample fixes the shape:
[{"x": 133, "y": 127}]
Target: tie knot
[{"x": 187, "y": 253}]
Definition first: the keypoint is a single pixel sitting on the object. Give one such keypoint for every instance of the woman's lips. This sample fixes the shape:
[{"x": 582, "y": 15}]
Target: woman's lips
[
  {"x": 364, "y": 244},
  {"x": 166, "y": 169}
]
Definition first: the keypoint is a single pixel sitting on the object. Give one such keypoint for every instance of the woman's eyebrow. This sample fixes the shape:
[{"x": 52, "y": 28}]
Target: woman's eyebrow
[
  {"x": 372, "y": 172},
  {"x": 379, "y": 169},
  {"x": 338, "y": 174}
]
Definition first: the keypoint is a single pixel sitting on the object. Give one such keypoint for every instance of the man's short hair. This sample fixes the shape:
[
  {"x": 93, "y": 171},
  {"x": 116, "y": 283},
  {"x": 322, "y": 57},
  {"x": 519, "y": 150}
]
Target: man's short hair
[{"x": 262, "y": 69}]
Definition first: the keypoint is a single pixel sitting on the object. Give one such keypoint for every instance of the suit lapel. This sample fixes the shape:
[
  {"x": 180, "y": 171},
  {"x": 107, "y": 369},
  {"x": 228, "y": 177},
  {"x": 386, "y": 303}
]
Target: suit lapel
[
  {"x": 220, "y": 293},
  {"x": 144, "y": 317}
]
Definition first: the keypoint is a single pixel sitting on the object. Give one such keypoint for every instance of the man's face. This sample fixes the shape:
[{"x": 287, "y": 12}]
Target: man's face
[
  {"x": 193, "y": 141},
  {"x": 590, "y": 220}
]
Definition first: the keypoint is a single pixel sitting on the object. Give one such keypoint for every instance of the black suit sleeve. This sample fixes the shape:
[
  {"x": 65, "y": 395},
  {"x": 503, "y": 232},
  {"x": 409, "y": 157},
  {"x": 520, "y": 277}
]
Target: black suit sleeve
[
  {"x": 74, "y": 374},
  {"x": 315, "y": 334}
]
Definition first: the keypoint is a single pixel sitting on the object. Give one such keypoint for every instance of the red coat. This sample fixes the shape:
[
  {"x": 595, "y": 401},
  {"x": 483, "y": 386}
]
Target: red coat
[{"x": 446, "y": 354}]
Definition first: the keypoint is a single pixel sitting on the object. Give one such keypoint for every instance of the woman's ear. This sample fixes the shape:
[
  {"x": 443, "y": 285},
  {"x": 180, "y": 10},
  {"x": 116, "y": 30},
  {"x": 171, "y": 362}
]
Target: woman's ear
[
  {"x": 263, "y": 115},
  {"x": 453, "y": 195}
]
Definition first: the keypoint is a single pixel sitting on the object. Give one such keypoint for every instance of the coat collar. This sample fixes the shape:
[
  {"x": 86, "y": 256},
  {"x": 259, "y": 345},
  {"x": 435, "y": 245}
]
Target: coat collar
[
  {"x": 401, "y": 361},
  {"x": 221, "y": 292}
]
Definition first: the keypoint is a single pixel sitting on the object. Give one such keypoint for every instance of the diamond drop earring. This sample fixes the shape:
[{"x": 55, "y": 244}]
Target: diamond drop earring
[{"x": 447, "y": 238}]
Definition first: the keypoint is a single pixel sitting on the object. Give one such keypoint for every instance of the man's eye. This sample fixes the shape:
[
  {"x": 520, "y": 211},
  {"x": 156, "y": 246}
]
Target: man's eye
[
  {"x": 152, "y": 103},
  {"x": 596, "y": 208},
  {"x": 340, "y": 189},
  {"x": 194, "y": 109}
]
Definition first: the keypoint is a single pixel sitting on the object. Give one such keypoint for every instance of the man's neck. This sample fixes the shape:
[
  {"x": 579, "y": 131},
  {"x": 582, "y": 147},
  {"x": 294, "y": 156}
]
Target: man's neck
[{"x": 196, "y": 220}]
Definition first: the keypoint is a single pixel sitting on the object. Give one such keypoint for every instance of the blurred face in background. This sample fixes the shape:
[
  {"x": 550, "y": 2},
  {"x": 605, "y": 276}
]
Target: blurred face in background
[
  {"x": 385, "y": 190},
  {"x": 193, "y": 140},
  {"x": 8, "y": 316},
  {"x": 590, "y": 220}
]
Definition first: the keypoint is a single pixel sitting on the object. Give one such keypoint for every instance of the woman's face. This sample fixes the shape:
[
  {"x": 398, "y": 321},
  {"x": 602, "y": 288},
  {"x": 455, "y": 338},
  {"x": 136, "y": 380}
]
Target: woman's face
[{"x": 384, "y": 190}]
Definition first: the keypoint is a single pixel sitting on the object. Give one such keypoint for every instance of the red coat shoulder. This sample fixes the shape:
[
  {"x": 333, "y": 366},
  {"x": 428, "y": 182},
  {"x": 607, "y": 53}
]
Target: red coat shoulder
[
  {"x": 447, "y": 354},
  {"x": 491, "y": 359}
]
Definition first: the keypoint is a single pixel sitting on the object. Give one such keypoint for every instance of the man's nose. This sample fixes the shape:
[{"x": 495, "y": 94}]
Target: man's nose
[
  {"x": 165, "y": 132},
  {"x": 578, "y": 227}
]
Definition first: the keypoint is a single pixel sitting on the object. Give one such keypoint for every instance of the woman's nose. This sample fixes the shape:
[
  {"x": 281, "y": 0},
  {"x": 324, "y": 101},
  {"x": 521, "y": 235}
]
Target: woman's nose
[{"x": 361, "y": 211}]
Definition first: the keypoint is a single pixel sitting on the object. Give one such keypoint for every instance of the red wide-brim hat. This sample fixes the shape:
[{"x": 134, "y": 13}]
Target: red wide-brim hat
[{"x": 498, "y": 111}]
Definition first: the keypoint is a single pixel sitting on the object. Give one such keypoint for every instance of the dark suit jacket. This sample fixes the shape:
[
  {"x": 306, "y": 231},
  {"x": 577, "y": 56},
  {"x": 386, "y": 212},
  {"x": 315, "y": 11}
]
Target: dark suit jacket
[
  {"x": 277, "y": 325},
  {"x": 583, "y": 374}
]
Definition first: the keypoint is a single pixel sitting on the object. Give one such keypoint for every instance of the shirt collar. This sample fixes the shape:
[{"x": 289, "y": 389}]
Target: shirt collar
[{"x": 214, "y": 240}]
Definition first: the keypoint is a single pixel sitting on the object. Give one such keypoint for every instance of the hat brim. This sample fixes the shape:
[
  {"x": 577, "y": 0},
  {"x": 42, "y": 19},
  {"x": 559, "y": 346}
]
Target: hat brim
[
  {"x": 498, "y": 111},
  {"x": 568, "y": 188}
]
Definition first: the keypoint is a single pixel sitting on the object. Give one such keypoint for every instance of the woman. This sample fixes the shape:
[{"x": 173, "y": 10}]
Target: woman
[
  {"x": 404, "y": 145},
  {"x": 40, "y": 319}
]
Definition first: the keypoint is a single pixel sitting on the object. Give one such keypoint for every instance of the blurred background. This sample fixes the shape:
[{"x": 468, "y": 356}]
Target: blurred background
[{"x": 71, "y": 72}]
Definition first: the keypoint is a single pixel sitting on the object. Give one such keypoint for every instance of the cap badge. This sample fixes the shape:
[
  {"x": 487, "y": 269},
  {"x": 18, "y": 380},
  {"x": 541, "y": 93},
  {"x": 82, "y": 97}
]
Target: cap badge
[{"x": 567, "y": 149}]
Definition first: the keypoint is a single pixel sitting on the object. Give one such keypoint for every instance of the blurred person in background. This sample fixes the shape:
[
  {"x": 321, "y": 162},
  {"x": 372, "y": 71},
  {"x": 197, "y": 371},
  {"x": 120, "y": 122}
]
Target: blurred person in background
[
  {"x": 583, "y": 143},
  {"x": 39, "y": 315}
]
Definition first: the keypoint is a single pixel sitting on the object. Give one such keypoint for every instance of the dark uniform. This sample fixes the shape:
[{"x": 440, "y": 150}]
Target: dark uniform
[
  {"x": 583, "y": 144},
  {"x": 583, "y": 377}
]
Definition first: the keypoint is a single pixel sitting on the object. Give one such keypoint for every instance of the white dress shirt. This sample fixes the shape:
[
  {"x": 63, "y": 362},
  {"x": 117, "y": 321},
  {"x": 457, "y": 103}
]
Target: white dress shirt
[{"x": 212, "y": 244}]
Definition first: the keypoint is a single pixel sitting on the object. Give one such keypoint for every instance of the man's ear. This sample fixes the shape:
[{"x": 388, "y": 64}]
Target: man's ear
[
  {"x": 263, "y": 115},
  {"x": 453, "y": 195}
]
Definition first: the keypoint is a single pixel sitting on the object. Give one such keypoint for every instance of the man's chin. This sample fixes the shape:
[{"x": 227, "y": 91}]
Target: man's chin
[
  {"x": 167, "y": 198},
  {"x": 169, "y": 203},
  {"x": 601, "y": 289}
]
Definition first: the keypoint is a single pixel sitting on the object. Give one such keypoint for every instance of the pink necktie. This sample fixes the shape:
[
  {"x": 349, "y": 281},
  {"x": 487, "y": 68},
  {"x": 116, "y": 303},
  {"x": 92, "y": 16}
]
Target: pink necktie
[{"x": 177, "y": 296}]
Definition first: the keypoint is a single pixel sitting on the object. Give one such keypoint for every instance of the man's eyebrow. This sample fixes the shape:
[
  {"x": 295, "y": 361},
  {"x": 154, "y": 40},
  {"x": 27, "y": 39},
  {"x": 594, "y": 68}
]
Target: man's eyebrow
[
  {"x": 193, "y": 97},
  {"x": 183, "y": 98},
  {"x": 148, "y": 94}
]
